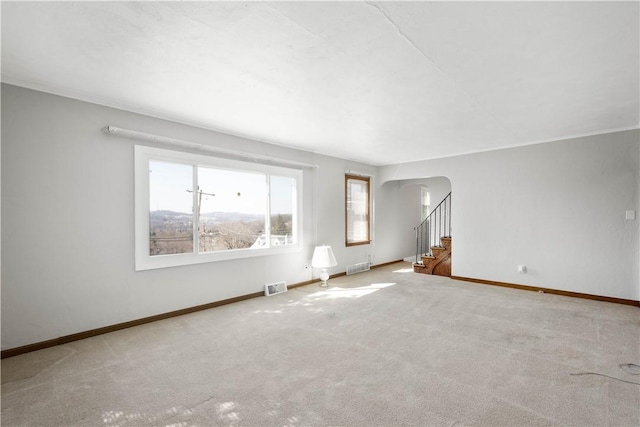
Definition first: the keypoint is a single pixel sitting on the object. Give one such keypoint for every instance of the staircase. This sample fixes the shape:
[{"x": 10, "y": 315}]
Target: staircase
[
  {"x": 439, "y": 262},
  {"x": 433, "y": 241}
]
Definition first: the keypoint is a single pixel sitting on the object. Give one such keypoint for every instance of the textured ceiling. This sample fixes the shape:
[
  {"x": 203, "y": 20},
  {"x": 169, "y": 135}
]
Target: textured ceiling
[{"x": 378, "y": 82}]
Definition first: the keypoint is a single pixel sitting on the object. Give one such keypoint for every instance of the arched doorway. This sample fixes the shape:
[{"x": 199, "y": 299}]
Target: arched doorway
[{"x": 430, "y": 222}]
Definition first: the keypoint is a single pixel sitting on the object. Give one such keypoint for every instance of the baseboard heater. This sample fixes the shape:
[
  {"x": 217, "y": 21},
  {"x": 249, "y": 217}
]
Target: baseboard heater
[{"x": 358, "y": 268}]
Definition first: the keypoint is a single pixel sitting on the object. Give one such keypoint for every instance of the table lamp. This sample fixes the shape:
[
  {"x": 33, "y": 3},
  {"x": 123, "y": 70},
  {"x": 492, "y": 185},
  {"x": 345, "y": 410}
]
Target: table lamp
[{"x": 323, "y": 258}]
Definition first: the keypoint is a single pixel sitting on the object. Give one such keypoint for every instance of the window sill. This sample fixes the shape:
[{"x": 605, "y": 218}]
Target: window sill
[
  {"x": 365, "y": 242},
  {"x": 178, "y": 260}
]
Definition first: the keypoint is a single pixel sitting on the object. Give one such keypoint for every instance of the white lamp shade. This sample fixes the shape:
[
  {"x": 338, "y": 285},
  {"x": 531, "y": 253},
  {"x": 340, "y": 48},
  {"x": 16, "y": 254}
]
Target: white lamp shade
[{"x": 323, "y": 257}]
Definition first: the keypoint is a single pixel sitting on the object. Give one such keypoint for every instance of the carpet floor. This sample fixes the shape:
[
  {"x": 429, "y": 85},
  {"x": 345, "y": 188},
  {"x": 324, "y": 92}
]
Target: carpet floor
[{"x": 382, "y": 348}]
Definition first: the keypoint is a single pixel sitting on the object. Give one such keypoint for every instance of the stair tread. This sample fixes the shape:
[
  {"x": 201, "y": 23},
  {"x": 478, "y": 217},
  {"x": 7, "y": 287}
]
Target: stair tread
[{"x": 438, "y": 262}]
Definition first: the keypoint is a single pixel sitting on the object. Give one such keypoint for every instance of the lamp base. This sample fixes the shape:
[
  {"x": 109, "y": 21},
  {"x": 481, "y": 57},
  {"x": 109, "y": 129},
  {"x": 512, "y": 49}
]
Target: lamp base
[{"x": 324, "y": 278}]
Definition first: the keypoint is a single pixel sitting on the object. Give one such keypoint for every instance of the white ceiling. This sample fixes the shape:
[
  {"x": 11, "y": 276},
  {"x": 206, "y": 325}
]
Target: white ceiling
[{"x": 378, "y": 82}]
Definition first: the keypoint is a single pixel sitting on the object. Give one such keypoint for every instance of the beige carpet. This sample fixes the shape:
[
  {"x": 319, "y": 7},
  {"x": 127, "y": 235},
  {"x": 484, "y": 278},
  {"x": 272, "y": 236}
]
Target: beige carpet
[{"x": 383, "y": 348}]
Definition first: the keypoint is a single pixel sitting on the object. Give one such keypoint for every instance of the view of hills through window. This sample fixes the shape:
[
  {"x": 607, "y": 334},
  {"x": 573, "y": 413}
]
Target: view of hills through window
[{"x": 231, "y": 209}]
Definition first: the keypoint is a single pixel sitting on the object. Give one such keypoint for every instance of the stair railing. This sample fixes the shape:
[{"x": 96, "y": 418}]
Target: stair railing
[{"x": 435, "y": 226}]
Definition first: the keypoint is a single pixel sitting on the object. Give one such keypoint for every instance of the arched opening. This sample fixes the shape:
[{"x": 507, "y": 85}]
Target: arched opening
[{"x": 427, "y": 226}]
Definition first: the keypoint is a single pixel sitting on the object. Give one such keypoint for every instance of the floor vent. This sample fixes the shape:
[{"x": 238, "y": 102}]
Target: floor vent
[
  {"x": 275, "y": 288},
  {"x": 358, "y": 268}
]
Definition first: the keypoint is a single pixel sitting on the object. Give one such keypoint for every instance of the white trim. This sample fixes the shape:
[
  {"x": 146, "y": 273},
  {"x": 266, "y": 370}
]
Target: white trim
[
  {"x": 143, "y": 261},
  {"x": 519, "y": 145},
  {"x": 164, "y": 115}
]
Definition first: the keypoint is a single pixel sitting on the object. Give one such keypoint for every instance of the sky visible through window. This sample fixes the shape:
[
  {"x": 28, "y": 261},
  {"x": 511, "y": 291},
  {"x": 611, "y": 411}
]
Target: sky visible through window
[{"x": 171, "y": 187}]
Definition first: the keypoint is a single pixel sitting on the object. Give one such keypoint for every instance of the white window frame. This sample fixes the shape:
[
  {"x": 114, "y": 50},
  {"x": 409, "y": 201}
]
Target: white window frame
[
  {"x": 425, "y": 193},
  {"x": 144, "y": 261}
]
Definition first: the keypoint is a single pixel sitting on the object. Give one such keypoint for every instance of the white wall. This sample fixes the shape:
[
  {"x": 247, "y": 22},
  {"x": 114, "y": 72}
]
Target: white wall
[
  {"x": 438, "y": 187},
  {"x": 68, "y": 230},
  {"x": 558, "y": 208},
  {"x": 67, "y": 218}
]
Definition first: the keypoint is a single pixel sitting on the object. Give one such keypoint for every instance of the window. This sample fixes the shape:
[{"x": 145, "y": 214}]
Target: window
[
  {"x": 357, "y": 210},
  {"x": 193, "y": 208},
  {"x": 425, "y": 203}
]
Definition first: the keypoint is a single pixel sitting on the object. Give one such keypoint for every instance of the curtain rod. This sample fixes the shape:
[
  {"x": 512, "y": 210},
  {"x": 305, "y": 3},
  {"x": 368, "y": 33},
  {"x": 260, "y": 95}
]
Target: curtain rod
[{"x": 175, "y": 142}]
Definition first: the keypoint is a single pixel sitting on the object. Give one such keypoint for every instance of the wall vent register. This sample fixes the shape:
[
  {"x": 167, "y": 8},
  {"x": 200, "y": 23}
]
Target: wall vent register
[
  {"x": 358, "y": 268},
  {"x": 275, "y": 288}
]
